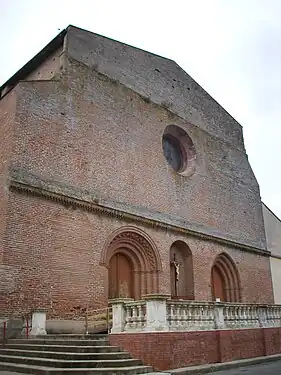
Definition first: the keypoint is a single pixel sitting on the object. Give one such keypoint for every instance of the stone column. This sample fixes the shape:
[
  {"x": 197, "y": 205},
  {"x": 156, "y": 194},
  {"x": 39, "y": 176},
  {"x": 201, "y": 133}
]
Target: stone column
[
  {"x": 156, "y": 313},
  {"x": 38, "y": 323},
  {"x": 218, "y": 315},
  {"x": 118, "y": 314}
]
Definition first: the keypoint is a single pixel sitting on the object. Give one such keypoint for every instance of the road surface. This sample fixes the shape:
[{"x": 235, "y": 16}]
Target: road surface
[{"x": 269, "y": 368}]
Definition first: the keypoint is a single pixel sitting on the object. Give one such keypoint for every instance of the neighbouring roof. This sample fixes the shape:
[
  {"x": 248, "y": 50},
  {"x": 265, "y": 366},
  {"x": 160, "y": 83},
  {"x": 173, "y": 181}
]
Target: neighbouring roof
[{"x": 34, "y": 62}]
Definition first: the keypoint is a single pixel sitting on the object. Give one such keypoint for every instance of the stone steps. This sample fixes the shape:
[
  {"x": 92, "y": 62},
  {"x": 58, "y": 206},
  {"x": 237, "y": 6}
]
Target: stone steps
[{"x": 68, "y": 354}]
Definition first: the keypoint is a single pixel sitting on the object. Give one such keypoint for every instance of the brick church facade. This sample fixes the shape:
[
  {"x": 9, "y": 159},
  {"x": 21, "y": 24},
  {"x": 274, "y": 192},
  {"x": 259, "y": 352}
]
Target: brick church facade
[{"x": 120, "y": 177}]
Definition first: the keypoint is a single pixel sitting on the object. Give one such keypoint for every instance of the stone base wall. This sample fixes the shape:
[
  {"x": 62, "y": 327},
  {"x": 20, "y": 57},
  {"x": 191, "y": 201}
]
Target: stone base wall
[{"x": 179, "y": 349}]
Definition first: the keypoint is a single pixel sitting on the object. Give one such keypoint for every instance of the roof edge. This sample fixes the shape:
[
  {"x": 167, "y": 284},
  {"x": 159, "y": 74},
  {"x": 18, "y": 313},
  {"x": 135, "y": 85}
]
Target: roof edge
[
  {"x": 34, "y": 62},
  {"x": 271, "y": 211}
]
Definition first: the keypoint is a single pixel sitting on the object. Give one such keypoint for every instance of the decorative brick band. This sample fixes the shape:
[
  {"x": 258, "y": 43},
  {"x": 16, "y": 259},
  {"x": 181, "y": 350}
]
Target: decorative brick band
[{"x": 94, "y": 206}]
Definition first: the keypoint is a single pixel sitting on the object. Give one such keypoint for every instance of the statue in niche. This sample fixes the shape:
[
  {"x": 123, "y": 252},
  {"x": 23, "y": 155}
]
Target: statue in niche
[{"x": 176, "y": 266}]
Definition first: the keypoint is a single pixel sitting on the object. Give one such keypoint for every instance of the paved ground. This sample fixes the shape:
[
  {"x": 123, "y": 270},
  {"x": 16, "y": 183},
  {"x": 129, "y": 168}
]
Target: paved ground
[{"x": 271, "y": 368}]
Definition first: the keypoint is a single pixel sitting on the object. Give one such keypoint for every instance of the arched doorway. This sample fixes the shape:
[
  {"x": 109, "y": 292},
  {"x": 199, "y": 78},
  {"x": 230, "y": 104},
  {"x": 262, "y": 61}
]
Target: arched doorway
[
  {"x": 225, "y": 280},
  {"x": 133, "y": 264},
  {"x": 121, "y": 277},
  {"x": 181, "y": 271},
  {"x": 218, "y": 284}
]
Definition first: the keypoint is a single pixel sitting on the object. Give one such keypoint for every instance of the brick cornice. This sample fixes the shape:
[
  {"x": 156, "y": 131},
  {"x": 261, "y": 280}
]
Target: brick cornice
[{"x": 94, "y": 206}]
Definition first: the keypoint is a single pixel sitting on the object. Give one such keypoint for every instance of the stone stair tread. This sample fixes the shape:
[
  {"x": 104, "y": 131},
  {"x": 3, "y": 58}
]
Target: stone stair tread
[
  {"x": 59, "y": 341},
  {"x": 52, "y": 360},
  {"x": 68, "y": 348},
  {"x": 61, "y": 353},
  {"x": 63, "y": 346},
  {"x": 73, "y": 335},
  {"x": 22, "y": 368}
]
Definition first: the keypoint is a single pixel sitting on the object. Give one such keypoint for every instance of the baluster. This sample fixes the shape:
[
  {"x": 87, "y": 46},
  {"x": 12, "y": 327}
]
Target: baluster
[
  {"x": 204, "y": 316},
  {"x": 184, "y": 317},
  {"x": 248, "y": 317},
  {"x": 168, "y": 309},
  {"x": 240, "y": 316},
  {"x": 211, "y": 316},
  {"x": 173, "y": 316},
  {"x": 127, "y": 318},
  {"x": 189, "y": 316},
  {"x": 225, "y": 315},
  {"x": 230, "y": 316},
  {"x": 134, "y": 317},
  {"x": 178, "y": 318},
  {"x": 244, "y": 316},
  {"x": 140, "y": 316}
]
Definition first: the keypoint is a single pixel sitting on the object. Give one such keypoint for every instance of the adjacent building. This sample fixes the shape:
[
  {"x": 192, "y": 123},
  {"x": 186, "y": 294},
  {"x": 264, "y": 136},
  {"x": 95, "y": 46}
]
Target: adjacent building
[{"x": 273, "y": 238}]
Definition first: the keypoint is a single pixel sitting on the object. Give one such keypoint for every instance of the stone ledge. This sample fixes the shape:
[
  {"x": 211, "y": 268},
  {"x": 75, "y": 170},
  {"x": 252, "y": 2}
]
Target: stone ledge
[{"x": 25, "y": 182}]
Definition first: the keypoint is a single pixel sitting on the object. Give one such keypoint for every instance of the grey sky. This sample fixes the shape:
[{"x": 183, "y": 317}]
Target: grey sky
[{"x": 230, "y": 47}]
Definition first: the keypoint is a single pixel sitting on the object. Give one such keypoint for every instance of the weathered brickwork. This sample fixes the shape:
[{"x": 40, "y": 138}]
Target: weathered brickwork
[
  {"x": 179, "y": 349},
  {"x": 59, "y": 251},
  {"x": 7, "y": 114},
  {"x": 94, "y": 134}
]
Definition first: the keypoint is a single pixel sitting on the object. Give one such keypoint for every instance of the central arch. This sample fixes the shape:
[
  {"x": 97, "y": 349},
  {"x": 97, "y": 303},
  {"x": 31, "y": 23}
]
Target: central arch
[
  {"x": 225, "y": 279},
  {"x": 133, "y": 264}
]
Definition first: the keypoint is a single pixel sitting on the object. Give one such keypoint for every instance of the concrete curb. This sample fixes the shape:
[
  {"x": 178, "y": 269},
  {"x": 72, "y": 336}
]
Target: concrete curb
[{"x": 204, "y": 369}]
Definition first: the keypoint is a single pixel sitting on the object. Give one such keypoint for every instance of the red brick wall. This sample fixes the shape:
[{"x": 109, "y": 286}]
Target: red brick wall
[
  {"x": 172, "y": 350},
  {"x": 79, "y": 135},
  {"x": 7, "y": 115},
  {"x": 272, "y": 340},
  {"x": 91, "y": 133},
  {"x": 245, "y": 343},
  {"x": 57, "y": 249}
]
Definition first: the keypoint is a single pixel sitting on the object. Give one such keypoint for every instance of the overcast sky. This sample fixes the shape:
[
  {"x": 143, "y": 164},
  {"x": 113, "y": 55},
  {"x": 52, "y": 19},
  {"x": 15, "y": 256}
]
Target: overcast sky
[{"x": 232, "y": 48}]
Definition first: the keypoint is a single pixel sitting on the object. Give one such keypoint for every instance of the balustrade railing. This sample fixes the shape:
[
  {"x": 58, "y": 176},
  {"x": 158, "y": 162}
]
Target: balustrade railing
[
  {"x": 135, "y": 316},
  {"x": 241, "y": 315},
  {"x": 158, "y": 313},
  {"x": 184, "y": 316}
]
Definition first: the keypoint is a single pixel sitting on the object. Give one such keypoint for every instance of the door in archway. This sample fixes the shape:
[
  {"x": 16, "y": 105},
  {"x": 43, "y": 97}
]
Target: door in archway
[
  {"x": 218, "y": 285},
  {"x": 121, "y": 277}
]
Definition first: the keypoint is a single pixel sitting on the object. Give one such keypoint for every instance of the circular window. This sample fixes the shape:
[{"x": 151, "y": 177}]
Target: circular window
[
  {"x": 173, "y": 152},
  {"x": 179, "y": 150}
]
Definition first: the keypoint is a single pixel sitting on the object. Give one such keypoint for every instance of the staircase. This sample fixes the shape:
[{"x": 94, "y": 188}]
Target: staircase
[{"x": 68, "y": 354}]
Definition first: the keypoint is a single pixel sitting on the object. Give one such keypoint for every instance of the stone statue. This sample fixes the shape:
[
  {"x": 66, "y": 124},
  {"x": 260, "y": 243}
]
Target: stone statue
[{"x": 177, "y": 273}]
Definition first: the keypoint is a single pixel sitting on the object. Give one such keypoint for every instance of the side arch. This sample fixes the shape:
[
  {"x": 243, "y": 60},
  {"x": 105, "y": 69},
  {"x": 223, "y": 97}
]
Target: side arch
[
  {"x": 225, "y": 279},
  {"x": 141, "y": 252},
  {"x": 181, "y": 271}
]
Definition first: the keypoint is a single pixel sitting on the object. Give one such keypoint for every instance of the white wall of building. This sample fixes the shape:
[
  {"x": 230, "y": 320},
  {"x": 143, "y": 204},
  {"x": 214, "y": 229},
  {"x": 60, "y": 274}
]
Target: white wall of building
[{"x": 273, "y": 238}]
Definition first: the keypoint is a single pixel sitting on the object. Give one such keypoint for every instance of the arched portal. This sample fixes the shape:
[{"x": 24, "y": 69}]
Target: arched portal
[
  {"x": 181, "y": 271},
  {"x": 133, "y": 264},
  {"x": 121, "y": 277},
  {"x": 225, "y": 279}
]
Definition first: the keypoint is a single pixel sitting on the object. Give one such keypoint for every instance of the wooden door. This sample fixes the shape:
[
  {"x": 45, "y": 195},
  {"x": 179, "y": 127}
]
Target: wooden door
[
  {"x": 218, "y": 285},
  {"x": 121, "y": 280}
]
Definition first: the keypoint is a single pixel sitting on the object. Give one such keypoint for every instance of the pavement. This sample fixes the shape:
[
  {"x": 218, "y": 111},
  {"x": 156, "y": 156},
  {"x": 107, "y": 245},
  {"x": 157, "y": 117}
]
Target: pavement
[
  {"x": 263, "y": 368},
  {"x": 269, "y": 365},
  {"x": 273, "y": 368}
]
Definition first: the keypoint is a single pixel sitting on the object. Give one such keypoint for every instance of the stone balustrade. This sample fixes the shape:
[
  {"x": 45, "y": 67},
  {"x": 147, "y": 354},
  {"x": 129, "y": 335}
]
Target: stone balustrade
[{"x": 157, "y": 313}]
